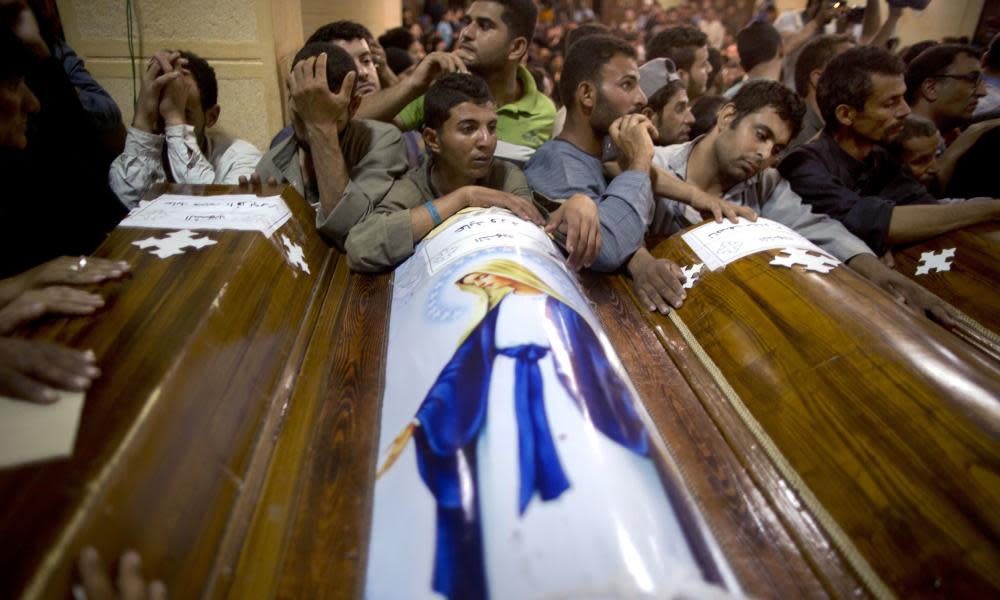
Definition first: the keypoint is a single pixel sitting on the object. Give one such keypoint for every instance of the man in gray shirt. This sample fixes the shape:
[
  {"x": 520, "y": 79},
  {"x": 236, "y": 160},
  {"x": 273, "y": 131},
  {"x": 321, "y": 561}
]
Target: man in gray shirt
[
  {"x": 342, "y": 165},
  {"x": 728, "y": 160},
  {"x": 600, "y": 84}
]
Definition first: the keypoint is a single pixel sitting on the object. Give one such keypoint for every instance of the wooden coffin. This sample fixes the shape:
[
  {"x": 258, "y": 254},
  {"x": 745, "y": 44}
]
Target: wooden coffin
[
  {"x": 971, "y": 282},
  {"x": 199, "y": 353},
  {"x": 872, "y": 434}
]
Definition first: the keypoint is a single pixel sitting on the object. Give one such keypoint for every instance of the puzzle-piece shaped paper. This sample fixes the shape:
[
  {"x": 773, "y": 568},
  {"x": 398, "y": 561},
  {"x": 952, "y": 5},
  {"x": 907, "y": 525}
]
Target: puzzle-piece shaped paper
[
  {"x": 820, "y": 263},
  {"x": 691, "y": 274},
  {"x": 174, "y": 243},
  {"x": 938, "y": 261},
  {"x": 295, "y": 254}
]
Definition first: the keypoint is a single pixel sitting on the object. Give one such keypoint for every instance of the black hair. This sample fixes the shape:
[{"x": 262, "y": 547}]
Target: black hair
[
  {"x": 847, "y": 79},
  {"x": 715, "y": 60},
  {"x": 519, "y": 16},
  {"x": 338, "y": 62},
  {"x": 814, "y": 56},
  {"x": 662, "y": 96},
  {"x": 932, "y": 62},
  {"x": 204, "y": 76},
  {"x": 575, "y": 35},
  {"x": 706, "y": 113},
  {"x": 914, "y": 50},
  {"x": 586, "y": 59},
  {"x": 15, "y": 60},
  {"x": 679, "y": 44},
  {"x": 757, "y": 43},
  {"x": 398, "y": 37},
  {"x": 450, "y": 90},
  {"x": 758, "y": 94},
  {"x": 991, "y": 60},
  {"x": 913, "y": 126},
  {"x": 398, "y": 59},
  {"x": 340, "y": 30}
]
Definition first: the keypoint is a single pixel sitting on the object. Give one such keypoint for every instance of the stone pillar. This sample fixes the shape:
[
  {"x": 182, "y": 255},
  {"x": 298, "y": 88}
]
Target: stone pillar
[
  {"x": 243, "y": 40},
  {"x": 376, "y": 15}
]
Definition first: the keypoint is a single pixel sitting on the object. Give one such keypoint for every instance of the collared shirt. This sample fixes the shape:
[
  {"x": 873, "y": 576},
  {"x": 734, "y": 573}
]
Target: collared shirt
[
  {"x": 374, "y": 156},
  {"x": 140, "y": 165},
  {"x": 522, "y": 126},
  {"x": 769, "y": 195},
  {"x": 991, "y": 101},
  {"x": 559, "y": 169},
  {"x": 384, "y": 238},
  {"x": 861, "y": 195}
]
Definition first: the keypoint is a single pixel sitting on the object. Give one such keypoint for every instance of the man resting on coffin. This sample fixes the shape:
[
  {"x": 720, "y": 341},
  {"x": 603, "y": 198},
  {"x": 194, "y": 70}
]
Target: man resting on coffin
[
  {"x": 460, "y": 132},
  {"x": 170, "y": 137},
  {"x": 759, "y": 122},
  {"x": 343, "y": 166},
  {"x": 600, "y": 83},
  {"x": 846, "y": 174}
]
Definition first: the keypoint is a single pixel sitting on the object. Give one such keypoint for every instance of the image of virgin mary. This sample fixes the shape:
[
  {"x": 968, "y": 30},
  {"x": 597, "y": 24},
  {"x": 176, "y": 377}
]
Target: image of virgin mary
[{"x": 522, "y": 325}]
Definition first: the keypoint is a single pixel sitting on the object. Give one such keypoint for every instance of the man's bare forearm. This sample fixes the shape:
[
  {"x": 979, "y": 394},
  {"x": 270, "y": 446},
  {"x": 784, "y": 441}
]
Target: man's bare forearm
[
  {"x": 332, "y": 176},
  {"x": 922, "y": 221},
  {"x": 385, "y": 104}
]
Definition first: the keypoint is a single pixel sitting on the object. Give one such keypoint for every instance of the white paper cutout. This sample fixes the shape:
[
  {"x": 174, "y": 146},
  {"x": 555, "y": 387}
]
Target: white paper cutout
[
  {"x": 938, "y": 261},
  {"x": 174, "y": 243},
  {"x": 811, "y": 262},
  {"x": 692, "y": 273},
  {"x": 295, "y": 254},
  {"x": 32, "y": 432}
]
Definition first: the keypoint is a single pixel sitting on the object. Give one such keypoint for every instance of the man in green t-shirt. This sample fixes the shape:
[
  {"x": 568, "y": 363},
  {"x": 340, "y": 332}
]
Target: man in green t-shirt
[{"x": 492, "y": 46}]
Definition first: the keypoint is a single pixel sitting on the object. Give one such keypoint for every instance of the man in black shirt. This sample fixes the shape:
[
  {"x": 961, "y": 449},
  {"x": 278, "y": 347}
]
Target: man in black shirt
[{"x": 848, "y": 175}]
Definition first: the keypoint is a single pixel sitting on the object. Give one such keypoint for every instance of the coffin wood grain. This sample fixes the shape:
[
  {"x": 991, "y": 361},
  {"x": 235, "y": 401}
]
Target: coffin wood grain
[
  {"x": 775, "y": 550},
  {"x": 892, "y": 423},
  {"x": 191, "y": 352}
]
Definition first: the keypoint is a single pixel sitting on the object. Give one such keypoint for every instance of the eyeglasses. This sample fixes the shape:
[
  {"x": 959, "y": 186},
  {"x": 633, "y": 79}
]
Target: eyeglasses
[{"x": 974, "y": 78}]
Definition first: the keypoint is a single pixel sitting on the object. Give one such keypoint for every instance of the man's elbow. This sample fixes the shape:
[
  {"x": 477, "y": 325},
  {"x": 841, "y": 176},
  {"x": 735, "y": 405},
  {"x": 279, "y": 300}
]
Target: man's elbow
[{"x": 613, "y": 253}]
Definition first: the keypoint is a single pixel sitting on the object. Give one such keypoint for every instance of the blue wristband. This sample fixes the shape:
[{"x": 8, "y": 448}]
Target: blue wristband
[{"x": 434, "y": 213}]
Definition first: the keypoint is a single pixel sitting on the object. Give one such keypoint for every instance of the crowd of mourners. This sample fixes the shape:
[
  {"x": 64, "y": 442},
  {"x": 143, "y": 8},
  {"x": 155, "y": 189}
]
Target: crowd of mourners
[{"x": 604, "y": 134}]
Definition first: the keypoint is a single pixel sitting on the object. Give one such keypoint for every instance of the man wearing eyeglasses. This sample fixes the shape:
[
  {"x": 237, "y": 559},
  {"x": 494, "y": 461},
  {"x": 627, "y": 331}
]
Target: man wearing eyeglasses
[
  {"x": 846, "y": 172},
  {"x": 944, "y": 84}
]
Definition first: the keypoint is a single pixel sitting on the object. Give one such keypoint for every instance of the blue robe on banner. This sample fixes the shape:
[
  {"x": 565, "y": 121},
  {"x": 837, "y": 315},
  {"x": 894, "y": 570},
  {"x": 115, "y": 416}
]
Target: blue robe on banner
[{"x": 453, "y": 414}]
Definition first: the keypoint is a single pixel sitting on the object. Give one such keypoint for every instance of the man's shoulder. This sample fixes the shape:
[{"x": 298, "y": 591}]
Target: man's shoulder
[
  {"x": 276, "y": 160},
  {"x": 815, "y": 153},
  {"x": 364, "y": 139}
]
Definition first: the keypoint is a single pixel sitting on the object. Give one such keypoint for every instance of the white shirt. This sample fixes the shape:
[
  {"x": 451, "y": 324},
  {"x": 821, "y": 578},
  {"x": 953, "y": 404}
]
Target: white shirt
[{"x": 140, "y": 165}]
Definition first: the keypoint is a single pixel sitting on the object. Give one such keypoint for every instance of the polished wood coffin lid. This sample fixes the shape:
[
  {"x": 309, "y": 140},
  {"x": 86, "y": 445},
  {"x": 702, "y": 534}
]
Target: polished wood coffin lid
[
  {"x": 972, "y": 284},
  {"x": 891, "y": 423},
  {"x": 232, "y": 437}
]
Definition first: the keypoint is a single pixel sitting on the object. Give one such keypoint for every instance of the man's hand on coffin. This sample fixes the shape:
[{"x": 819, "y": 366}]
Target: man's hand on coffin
[
  {"x": 312, "y": 99},
  {"x": 60, "y": 300},
  {"x": 579, "y": 221},
  {"x": 903, "y": 289},
  {"x": 483, "y": 197},
  {"x": 32, "y": 370},
  {"x": 658, "y": 283},
  {"x": 254, "y": 183},
  {"x": 719, "y": 209},
  {"x": 74, "y": 270},
  {"x": 131, "y": 584},
  {"x": 633, "y": 135},
  {"x": 163, "y": 68}
]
